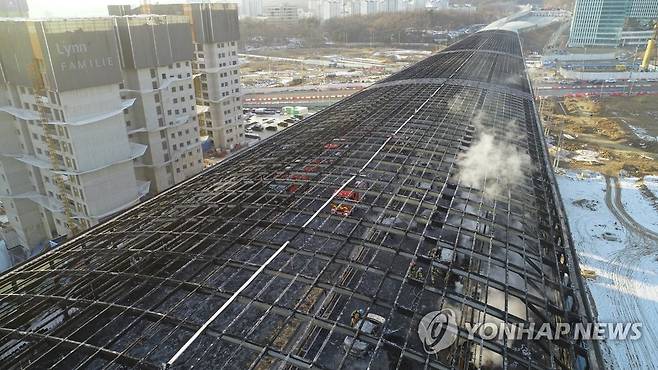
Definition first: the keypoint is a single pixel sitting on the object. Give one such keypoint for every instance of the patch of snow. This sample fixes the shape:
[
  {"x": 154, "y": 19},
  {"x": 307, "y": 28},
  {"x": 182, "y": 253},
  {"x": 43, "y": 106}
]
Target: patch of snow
[
  {"x": 625, "y": 285},
  {"x": 637, "y": 205},
  {"x": 652, "y": 183},
  {"x": 643, "y": 134},
  {"x": 590, "y": 156}
]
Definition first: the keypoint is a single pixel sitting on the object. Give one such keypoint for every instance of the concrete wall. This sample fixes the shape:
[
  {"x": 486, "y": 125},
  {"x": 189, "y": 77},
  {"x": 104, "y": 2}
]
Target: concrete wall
[{"x": 99, "y": 143}]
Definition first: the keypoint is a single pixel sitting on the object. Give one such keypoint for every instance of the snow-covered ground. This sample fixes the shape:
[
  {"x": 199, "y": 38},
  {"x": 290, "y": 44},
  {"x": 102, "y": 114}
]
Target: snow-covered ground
[
  {"x": 626, "y": 285},
  {"x": 637, "y": 205}
]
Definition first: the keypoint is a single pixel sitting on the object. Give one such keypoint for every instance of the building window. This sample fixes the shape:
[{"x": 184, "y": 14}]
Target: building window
[{"x": 153, "y": 72}]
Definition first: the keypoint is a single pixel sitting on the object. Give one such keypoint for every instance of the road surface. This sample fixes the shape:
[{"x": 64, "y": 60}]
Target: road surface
[
  {"x": 554, "y": 89},
  {"x": 613, "y": 201}
]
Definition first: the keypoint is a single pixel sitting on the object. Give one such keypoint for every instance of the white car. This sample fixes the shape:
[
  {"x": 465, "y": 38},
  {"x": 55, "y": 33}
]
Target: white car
[{"x": 372, "y": 324}]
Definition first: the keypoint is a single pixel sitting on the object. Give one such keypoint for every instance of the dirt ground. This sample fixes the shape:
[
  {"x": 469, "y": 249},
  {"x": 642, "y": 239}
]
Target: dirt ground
[
  {"x": 309, "y": 53},
  {"x": 277, "y": 73},
  {"x": 617, "y": 134}
]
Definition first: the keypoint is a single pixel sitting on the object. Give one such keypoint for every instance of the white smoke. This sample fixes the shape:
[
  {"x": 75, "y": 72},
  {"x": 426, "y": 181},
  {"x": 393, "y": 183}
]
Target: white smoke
[{"x": 492, "y": 163}]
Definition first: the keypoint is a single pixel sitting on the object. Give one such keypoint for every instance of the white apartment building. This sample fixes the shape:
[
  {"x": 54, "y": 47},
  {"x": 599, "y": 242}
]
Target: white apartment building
[
  {"x": 158, "y": 76},
  {"x": 283, "y": 13},
  {"x": 251, "y": 8},
  {"x": 216, "y": 70},
  {"x": 109, "y": 118},
  {"x": 70, "y": 166}
]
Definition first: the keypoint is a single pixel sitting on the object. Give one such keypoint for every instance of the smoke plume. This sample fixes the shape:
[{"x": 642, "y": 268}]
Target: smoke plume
[{"x": 492, "y": 164}]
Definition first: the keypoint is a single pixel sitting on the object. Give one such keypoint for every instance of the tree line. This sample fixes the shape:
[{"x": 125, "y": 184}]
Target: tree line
[{"x": 377, "y": 28}]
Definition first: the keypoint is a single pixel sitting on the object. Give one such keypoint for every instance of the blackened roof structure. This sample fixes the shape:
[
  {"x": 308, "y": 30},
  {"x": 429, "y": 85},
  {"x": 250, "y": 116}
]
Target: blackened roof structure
[{"x": 426, "y": 191}]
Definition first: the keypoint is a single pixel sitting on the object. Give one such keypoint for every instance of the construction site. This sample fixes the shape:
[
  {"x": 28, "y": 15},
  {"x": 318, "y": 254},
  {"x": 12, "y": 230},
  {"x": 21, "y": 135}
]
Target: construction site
[
  {"x": 610, "y": 135},
  {"x": 324, "y": 246}
]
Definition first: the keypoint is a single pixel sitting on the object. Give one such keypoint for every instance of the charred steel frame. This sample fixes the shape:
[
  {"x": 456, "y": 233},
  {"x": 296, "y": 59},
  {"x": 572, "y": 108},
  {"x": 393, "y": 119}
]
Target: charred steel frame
[{"x": 269, "y": 232}]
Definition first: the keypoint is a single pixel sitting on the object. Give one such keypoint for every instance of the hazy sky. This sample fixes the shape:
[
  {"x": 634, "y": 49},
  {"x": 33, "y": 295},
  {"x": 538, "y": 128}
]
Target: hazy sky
[
  {"x": 90, "y": 8},
  {"x": 72, "y": 8}
]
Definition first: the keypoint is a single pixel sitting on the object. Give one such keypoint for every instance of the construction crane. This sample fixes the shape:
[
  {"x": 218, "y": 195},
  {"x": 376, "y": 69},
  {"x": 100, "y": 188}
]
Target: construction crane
[
  {"x": 41, "y": 99},
  {"x": 651, "y": 47}
]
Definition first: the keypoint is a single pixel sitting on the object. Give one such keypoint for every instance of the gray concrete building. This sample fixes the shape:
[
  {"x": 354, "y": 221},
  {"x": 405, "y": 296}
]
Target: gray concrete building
[
  {"x": 85, "y": 123},
  {"x": 215, "y": 36},
  {"x": 156, "y": 55},
  {"x": 66, "y": 162},
  {"x": 13, "y": 8},
  {"x": 283, "y": 13}
]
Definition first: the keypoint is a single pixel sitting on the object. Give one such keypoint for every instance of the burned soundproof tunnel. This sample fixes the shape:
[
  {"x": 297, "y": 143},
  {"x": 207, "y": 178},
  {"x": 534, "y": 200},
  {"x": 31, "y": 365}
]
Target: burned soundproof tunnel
[{"x": 326, "y": 245}]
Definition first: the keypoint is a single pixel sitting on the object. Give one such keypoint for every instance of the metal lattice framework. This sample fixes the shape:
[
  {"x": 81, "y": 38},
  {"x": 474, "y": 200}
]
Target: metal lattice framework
[{"x": 260, "y": 261}]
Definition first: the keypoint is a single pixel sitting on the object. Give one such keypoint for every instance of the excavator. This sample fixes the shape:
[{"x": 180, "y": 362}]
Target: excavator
[{"x": 651, "y": 47}]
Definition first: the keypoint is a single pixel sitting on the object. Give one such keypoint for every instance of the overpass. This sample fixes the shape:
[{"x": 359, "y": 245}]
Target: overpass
[{"x": 429, "y": 191}]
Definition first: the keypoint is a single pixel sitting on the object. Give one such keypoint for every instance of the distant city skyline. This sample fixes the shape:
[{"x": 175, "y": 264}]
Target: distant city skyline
[{"x": 96, "y": 8}]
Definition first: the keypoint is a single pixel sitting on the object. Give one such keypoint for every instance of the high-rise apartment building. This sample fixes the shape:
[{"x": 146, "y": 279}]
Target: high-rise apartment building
[
  {"x": 13, "y": 8},
  {"x": 604, "y": 23},
  {"x": 283, "y": 13},
  {"x": 251, "y": 8},
  {"x": 90, "y": 122},
  {"x": 215, "y": 35},
  {"x": 372, "y": 7},
  {"x": 390, "y": 6},
  {"x": 156, "y": 54},
  {"x": 65, "y": 158}
]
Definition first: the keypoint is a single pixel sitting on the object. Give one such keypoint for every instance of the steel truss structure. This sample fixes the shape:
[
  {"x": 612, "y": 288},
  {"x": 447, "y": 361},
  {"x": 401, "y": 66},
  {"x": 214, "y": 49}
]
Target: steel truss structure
[{"x": 260, "y": 262}]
